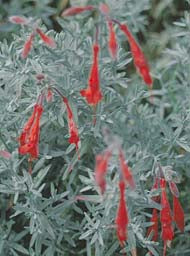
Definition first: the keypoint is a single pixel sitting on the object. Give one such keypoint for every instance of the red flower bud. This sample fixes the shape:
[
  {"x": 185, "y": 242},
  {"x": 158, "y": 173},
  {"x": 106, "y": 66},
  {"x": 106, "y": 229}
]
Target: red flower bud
[
  {"x": 138, "y": 56},
  {"x": 122, "y": 220},
  {"x": 93, "y": 93},
  {"x": 76, "y": 10},
  {"x": 73, "y": 130},
  {"x": 27, "y": 46},
  {"x": 29, "y": 137},
  {"x": 165, "y": 216},
  {"x": 101, "y": 169},
  {"x": 154, "y": 228},
  {"x": 178, "y": 214},
  {"x": 46, "y": 39},
  {"x": 112, "y": 44},
  {"x": 18, "y": 20},
  {"x": 126, "y": 172}
]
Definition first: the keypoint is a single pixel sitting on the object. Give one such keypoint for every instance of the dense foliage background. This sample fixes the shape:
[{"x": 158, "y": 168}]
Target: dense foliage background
[{"x": 40, "y": 214}]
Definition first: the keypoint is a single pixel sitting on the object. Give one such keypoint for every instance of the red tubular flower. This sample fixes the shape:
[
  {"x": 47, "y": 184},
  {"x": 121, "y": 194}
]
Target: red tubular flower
[
  {"x": 101, "y": 169},
  {"x": 178, "y": 214},
  {"x": 154, "y": 228},
  {"x": 76, "y": 10},
  {"x": 27, "y": 46},
  {"x": 126, "y": 172},
  {"x": 122, "y": 220},
  {"x": 46, "y": 39},
  {"x": 165, "y": 217},
  {"x": 138, "y": 56},
  {"x": 73, "y": 130},
  {"x": 29, "y": 137},
  {"x": 112, "y": 41},
  {"x": 112, "y": 44},
  {"x": 18, "y": 20},
  {"x": 34, "y": 135},
  {"x": 27, "y": 127},
  {"x": 93, "y": 93}
]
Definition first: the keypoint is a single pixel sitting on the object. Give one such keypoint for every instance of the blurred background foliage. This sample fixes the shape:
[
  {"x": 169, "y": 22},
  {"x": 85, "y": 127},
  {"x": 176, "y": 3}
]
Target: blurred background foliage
[{"x": 40, "y": 216}]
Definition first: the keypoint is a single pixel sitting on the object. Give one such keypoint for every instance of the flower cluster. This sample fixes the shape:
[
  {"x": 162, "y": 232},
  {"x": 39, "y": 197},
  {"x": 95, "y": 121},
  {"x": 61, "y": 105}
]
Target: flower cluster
[
  {"x": 138, "y": 56},
  {"x": 93, "y": 93},
  {"x": 35, "y": 30},
  {"x": 73, "y": 130},
  {"x": 29, "y": 138},
  {"x": 126, "y": 178},
  {"x": 166, "y": 216}
]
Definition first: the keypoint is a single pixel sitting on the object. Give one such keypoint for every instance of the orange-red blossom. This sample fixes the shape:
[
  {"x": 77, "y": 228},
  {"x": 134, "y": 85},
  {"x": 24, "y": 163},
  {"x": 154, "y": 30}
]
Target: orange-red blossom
[{"x": 29, "y": 137}]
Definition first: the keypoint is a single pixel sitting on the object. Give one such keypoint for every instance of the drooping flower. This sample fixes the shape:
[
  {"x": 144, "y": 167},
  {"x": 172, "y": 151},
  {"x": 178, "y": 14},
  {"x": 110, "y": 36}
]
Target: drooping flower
[
  {"x": 73, "y": 130},
  {"x": 154, "y": 228},
  {"x": 138, "y": 56},
  {"x": 36, "y": 30},
  {"x": 46, "y": 39},
  {"x": 33, "y": 138},
  {"x": 93, "y": 92},
  {"x": 126, "y": 172},
  {"x": 76, "y": 10},
  {"x": 178, "y": 214},
  {"x": 27, "y": 46},
  {"x": 165, "y": 217},
  {"x": 122, "y": 220},
  {"x": 112, "y": 43},
  {"x": 27, "y": 127},
  {"x": 29, "y": 138},
  {"x": 101, "y": 169}
]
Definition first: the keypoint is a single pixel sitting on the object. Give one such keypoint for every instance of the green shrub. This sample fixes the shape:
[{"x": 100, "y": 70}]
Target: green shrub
[{"x": 58, "y": 209}]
